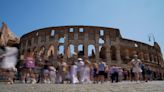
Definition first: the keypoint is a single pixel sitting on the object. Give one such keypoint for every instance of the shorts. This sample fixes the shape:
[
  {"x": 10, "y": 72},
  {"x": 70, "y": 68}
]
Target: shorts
[
  {"x": 45, "y": 71},
  {"x": 101, "y": 72},
  {"x": 30, "y": 70}
]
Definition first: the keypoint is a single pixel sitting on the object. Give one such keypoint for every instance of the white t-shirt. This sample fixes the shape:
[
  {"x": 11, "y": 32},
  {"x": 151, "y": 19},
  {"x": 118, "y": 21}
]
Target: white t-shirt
[{"x": 10, "y": 58}]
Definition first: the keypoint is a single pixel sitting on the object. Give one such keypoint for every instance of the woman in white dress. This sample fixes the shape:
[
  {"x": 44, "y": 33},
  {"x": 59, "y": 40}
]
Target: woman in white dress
[
  {"x": 86, "y": 73},
  {"x": 136, "y": 69},
  {"x": 73, "y": 73}
]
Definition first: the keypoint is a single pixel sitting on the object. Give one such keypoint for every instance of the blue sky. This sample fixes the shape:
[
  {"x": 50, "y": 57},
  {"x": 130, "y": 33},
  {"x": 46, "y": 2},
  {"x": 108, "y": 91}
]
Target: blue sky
[{"x": 136, "y": 19}]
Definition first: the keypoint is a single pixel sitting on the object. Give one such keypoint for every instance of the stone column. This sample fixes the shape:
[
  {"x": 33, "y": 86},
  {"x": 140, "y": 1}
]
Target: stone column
[
  {"x": 39, "y": 40},
  {"x": 97, "y": 46},
  {"x": 26, "y": 46},
  {"x": 46, "y": 51},
  {"x": 152, "y": 57},
  {"x": 118, "y": 55},
  {"x": 108, "y": 56},
  {"x": 76, "y": 51},
  {"x": 127, "y": 54},
  {"x": 85, "y": 45},
  {"x": 148, "y": 58},
  {"x": 97, "y": 52},
  {"x": 75, "y": 34},
  {"x": 142, "y": 57},
  {"x": 76, "y": 43},
  {"x": 65, "y": 46},
  {"x": 55, "y": 47},
  {"x": 47, "y": 39},
  {"x": 32, "y": 42},
  {"x": 86, "y": 50},
  {"x": 55, "y": 51}
]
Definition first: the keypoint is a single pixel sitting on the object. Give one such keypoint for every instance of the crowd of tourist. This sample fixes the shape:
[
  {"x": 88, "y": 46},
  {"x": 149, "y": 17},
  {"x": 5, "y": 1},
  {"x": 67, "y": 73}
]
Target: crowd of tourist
[{"x": 37, "y": 69}]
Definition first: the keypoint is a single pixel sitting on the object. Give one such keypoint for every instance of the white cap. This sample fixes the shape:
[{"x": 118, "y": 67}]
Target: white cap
[
  {"x": 80, "y": 59},
  {"x": 135, "y": 55}
]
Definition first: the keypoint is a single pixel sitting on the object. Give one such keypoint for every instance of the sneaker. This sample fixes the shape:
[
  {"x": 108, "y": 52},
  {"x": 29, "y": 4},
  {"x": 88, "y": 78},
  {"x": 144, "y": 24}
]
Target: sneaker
[
  {"x": 48, "y": 81},
  {"x": 44, "y": 81},
  {"x": 33, "y": 81},
  {"x": 28, "y": 80}
]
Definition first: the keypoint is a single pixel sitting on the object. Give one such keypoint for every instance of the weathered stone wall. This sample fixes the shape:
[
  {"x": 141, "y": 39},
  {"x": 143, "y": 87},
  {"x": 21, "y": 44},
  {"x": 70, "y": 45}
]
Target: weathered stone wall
[{"x": 114, "y": 48}]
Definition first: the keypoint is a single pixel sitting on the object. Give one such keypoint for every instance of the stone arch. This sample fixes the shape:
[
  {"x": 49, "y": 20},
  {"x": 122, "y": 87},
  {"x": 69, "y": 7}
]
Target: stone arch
[
  {"x": 113, "y": 53},
  {"x": 80, "y": 50},
  {"x": 60, "y": 51},
  {"x": 42, "y": 51},
  {"x": 102, "y": 50},
  {"x": 35, "y": 51},
  {"x": 50, "y": 51},
  {"x": 91, "y": 51},
  {"x": 124, "y": 55},
  {"x": 70, "y": 51}
]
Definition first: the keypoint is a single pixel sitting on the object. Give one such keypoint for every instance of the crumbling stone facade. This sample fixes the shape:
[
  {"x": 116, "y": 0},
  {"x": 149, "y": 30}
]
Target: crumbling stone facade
[{"x": 91, "y": 42}]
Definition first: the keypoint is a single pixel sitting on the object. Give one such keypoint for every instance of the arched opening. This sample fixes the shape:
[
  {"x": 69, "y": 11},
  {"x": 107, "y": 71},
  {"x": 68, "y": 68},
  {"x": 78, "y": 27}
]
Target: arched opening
[
  {"x": 50, "y": 51},
  {"x": 70, "y": 51},
  {"x": 102, "y": 50},
  {"x": 52, "y": 33},
  {"x": 61, "y": 40},
  {"x": 124, "y": 55},
  {"x": 60, "y": 51},
  {"x": 101, "y": 32},
  {"x": 113, "y": 53},
  {"x": 35, "y": 52},
  {"x": 42, "y": 51},
  {"x": 101, "y": 41},
  {"x": 80, "y": 51},
  {"x": 91, "y": 52}
]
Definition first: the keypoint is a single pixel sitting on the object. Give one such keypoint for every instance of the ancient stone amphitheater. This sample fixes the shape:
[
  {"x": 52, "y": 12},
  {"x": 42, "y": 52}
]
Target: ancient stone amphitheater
[{"x": 92, "y": 42}]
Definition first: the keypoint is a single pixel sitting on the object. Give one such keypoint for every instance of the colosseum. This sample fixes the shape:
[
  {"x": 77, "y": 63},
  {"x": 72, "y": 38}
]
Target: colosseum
[{"x": 93, "y": 43}]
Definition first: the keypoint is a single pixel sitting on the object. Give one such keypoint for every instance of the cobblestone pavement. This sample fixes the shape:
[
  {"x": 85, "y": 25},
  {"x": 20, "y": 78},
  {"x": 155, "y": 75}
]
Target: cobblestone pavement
[{"x": 154, "y": 86}]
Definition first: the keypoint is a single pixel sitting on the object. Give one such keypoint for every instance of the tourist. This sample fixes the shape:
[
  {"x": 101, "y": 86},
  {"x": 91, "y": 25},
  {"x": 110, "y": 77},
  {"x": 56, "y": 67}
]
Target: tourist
[
  {"x": 61, "y": 71},
  {"x": 114, "y": 73},
  {"x": 86, "y": 72},
  {"x": 73, "y": 73},
  {"x": 101, "y": 69},
  {"x": 120, "y": 74},
  {"x": 148, "y": 74},
  {"x": 106, "y": 72},
  {"x": 46, "y": 78},
  {"x": 80, "y": 65},
  {"x": 30, "y": 67},
  {"x": 95, "y": 73},
  {"x": 125, "y": 74},
  {"x": 136, "y": 69},
  {"x": 132, "y": 75},
  {"x": 8, "y": 63}
]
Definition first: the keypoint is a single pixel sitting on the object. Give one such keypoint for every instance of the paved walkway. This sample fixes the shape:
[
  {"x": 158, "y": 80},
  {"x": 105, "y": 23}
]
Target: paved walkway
[{"x": 154, "y": 86}]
